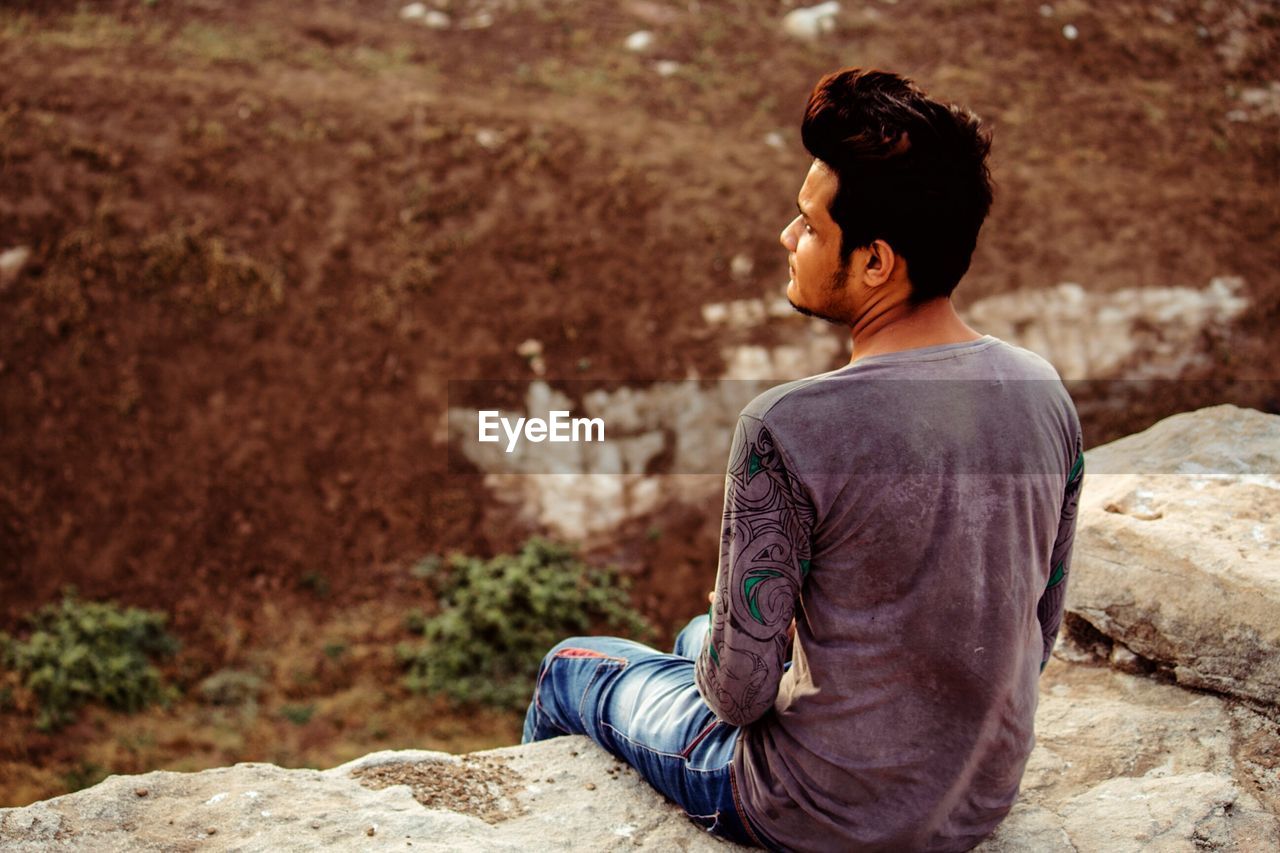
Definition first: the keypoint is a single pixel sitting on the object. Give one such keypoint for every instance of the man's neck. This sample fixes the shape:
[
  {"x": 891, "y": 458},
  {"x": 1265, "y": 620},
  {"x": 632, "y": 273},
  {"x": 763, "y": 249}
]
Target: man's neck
[{"x": 900, "y": 327}]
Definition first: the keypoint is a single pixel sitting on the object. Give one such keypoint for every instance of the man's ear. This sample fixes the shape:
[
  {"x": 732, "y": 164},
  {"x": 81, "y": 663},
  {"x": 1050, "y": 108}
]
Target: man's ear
[{"x": 880, "y": 262}]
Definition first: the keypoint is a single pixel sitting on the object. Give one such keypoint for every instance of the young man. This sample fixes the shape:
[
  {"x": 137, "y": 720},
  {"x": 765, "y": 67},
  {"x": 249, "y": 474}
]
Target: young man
[{"x": 909, "y": 517}]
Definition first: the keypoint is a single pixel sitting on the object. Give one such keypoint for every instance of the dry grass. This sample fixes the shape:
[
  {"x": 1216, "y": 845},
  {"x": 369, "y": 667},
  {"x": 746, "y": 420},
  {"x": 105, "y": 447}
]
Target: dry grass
[{"x": 341, "y": 672}]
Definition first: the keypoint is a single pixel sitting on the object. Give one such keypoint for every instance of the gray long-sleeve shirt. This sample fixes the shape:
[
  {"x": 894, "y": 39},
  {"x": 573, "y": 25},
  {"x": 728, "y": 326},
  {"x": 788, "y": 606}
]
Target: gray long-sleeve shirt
[{"x": 914, "y": 512}]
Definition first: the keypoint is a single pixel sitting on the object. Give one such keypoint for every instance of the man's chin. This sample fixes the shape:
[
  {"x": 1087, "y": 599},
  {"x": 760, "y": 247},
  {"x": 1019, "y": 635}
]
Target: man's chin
[{"x": 809, "y": 312}]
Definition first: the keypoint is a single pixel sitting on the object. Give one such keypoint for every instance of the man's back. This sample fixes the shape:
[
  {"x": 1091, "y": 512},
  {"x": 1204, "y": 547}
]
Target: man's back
[{"x": 936, "y": 488}]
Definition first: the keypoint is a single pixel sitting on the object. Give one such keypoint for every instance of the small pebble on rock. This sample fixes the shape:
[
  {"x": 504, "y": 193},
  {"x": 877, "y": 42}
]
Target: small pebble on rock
[
  {"x": 371, "y": 830},
  {"x": 141, "y": 792}
]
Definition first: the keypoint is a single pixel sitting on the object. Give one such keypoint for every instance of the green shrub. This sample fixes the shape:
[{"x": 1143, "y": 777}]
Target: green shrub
[
  {"x": 86, "y": 651},
  {"x": 499, "y": 617}
]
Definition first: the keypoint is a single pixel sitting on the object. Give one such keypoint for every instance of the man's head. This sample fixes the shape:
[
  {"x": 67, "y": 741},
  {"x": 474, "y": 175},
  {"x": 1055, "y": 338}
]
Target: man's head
[{"x": 896, "y": 196}]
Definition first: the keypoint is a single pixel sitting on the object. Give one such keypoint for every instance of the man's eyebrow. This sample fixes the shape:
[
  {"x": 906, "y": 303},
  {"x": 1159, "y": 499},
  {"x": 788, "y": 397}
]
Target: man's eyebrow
[{"x": 801, "y": 209}]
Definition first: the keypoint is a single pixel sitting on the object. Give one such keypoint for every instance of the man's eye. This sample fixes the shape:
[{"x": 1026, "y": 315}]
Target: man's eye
[{"x": 808, "y": 229}]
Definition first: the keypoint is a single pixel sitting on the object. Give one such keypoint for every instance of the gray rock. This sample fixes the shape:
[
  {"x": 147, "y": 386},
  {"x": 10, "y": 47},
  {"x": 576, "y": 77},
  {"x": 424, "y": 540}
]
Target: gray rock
[
  {"x": 1178, "y": 550},
  {"x": 1122, "y": 763},
  {"x": 515, "y": 799}
]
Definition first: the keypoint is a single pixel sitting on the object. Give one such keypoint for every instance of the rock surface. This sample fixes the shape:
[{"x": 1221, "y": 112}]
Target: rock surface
[
  {"x": 1123, "y": 763},
  {"x": 1177, "y": 556}
]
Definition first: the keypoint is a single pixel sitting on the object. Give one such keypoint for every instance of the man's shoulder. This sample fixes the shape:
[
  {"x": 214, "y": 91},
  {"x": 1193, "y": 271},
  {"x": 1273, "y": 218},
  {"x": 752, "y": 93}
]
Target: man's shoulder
[{"x": 782, "y": 401}]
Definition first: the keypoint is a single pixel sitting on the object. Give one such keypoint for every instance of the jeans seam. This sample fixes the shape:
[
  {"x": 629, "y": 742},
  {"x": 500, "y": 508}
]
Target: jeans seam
[
  {"x": 647, "y": 748},
  {"x": 638, "y": 745},
  {"x": 587, "y": 691}
]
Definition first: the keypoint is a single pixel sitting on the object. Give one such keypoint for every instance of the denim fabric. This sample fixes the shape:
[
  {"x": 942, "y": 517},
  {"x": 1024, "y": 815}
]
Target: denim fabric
[{"x": 642, "y": 705}]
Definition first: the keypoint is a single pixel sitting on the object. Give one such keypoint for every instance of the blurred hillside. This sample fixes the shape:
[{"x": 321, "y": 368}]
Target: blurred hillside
[{"x": 248, "y": 244}]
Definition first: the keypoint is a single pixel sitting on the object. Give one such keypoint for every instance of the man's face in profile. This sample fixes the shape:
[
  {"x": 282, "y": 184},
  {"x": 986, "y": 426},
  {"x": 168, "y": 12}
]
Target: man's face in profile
[{"x": 817, "y": 286}]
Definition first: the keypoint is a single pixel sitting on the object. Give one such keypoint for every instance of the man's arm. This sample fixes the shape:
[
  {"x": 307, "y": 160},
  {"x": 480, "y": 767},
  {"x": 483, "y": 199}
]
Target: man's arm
[
  {"x": 764, "y": 556},
  {"x": 1052, "y": 602}
]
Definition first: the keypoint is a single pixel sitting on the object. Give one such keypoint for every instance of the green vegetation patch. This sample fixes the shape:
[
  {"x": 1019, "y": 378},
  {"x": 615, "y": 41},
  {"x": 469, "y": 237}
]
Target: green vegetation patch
[
  {"x": 85, "y": 651},
  {"x": 498, "y": 617}
]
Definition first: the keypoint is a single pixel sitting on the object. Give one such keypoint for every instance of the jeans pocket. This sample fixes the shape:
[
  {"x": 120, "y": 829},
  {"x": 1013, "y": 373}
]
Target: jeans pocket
[{"x": 687, "y": 753}]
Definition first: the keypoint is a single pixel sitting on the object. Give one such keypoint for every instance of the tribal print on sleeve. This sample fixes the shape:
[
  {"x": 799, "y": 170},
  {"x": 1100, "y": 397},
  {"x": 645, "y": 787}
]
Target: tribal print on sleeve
[
  {"x": 1053, "y": 600},
  {"x": 764, "y": 557}
]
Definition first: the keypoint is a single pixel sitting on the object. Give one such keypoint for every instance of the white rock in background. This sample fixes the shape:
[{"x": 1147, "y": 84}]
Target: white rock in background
[
  {"x": 810, "y": 22},
  {"x": 1261, "y": 102},
  {"x": 413, "y": 11},
  {"x": 817, "y": 352},
  {"x": 1070, "y": 33},
  {"x": 478, "y": 21},
  {"x": 640, "y": 40},
  {"x": 436, "y": 20},
  {"x": 689, "y": 424},
  {"x": 433, "y": 18},
  {"x": 531, "y": 351},
  {"x": 774, "y": 139},
  {"x": 814, "y": 346},
  {"x": 666, "y": 67},
  {"x": 741, "y": 266},
  {"x": 11, "y": 263},
  {"x": 1167, "y": 558},
  {"x": 1088, "y": 335}
]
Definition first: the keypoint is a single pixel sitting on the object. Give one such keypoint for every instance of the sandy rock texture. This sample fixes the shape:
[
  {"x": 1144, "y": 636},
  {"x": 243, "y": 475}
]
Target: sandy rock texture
[
  {"x": 1177, "y": 556},
  {"x": 565, "y": 794},
  {"x": 1123, "y": 763}
]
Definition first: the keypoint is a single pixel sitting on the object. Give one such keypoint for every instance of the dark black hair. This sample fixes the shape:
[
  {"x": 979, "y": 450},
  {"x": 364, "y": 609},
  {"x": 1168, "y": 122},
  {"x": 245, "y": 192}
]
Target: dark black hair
[{"x": 911, "y": 171}]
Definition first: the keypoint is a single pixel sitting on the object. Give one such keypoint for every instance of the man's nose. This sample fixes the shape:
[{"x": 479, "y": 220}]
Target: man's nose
[{"x": 786, "y": 238}]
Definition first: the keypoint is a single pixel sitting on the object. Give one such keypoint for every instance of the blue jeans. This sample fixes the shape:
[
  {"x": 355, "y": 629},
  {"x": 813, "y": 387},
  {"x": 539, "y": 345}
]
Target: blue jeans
[{"x": 642, "y": 705}]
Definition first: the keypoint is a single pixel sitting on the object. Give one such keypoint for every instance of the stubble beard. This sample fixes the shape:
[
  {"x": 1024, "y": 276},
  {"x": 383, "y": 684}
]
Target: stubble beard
[{"x": 835, "y": 285}]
